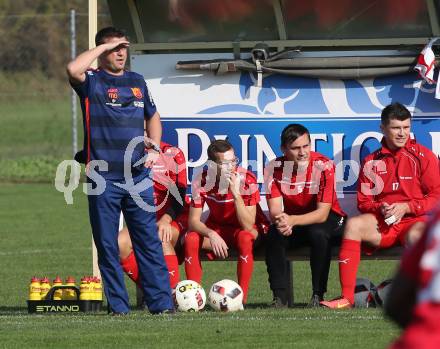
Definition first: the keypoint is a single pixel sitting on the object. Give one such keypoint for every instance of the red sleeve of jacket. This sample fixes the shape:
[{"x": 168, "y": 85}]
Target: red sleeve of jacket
[
  {"x": 366, "y": 201},
  {"x": 181, "y": 169},
  {"x": 430, "y": 181}
]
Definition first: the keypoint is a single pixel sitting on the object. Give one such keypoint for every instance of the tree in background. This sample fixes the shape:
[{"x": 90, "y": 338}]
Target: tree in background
[{"x": 35, "y": 34}]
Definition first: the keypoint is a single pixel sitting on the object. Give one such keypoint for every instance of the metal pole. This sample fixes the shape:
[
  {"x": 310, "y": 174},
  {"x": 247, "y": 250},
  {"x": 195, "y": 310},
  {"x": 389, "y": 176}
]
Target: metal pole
[{"x": 73, "y": 96}]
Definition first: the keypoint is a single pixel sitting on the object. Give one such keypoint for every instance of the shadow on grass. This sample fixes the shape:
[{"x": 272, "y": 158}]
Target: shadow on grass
[{"x": 268, "y": 306}]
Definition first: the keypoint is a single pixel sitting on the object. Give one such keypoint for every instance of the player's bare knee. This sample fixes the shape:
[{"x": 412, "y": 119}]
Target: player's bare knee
[
  {"x": 174, "y": 237},
  {"x": 415, "y": 233},
  {"x": 124, "y": 243},
  {"x": 353, "y": 228}
]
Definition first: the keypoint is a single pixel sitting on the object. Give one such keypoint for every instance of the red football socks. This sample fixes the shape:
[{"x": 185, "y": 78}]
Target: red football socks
[
  {"x": 193, "y": 268},
  {"x": 130, "y": 267},
  {"x": 245, "y": 264},
  {"x": 349, "y": 258},
  {"x": 173, "y": 269}
]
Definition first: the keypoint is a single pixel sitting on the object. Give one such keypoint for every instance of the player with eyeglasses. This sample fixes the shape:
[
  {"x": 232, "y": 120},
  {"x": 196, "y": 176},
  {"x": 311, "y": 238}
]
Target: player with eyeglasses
[{"x": 235, "y": 218}]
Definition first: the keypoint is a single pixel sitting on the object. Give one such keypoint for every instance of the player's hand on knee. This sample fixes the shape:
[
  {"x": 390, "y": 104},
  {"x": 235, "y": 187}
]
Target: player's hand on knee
[
  {"x": 282, "y": 224},
  {"x": 165, "y": 231},
  {"x": 218, "y": 245},
  {"x": 285, "y": 230}
]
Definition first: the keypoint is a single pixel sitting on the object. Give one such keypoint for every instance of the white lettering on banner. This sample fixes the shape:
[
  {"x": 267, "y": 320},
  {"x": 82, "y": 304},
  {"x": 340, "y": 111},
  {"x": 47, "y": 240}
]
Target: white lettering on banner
[
  {"x": 263, "y": 148},
  {"x": 346, "y": 171},
  {"x": 183, "y": 143},
  {"x": 435, "y": 136},
  {"x": 315, "y": 137},
  {"x": 349, "y": 168},
  {"x": 244, "y": 150},
  {"x": 338, "y": 157}
]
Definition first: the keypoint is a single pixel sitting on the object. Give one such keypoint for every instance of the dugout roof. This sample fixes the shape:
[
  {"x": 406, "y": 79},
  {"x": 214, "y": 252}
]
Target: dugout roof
[{"x": 225, "y": 25}]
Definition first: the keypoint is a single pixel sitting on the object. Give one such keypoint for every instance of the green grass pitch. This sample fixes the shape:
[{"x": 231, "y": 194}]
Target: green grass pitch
[{"x": 41, "y": 235}]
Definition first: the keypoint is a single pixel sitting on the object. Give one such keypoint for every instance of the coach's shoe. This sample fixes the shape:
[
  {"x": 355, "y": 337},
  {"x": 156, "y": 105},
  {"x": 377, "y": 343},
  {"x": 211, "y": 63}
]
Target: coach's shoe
[
  {"x": 277, "y": 303},
  {"x": 165, "y": 312},
  {"x": 315, "y": 301},
  {"x": 338, "y": 303}
]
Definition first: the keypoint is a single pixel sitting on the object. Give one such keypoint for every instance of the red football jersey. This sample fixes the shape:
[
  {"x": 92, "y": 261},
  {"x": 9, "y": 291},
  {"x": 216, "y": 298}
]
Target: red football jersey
[
  {"x": 410, "y": 175},
  {"x": 219, "y": 198},
  {"x": 301, "y": 192},
  {"x": 169, "y": 169}
]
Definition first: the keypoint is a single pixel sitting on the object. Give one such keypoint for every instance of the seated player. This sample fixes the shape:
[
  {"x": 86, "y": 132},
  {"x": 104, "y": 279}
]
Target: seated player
[
  {"x": 304, "y": 210},
  {"x": 172, "y": 217},
  {"x": 414, "y": 299},
  {"x": 398, "y": 185},
  {"x": 232, "y": 196}
]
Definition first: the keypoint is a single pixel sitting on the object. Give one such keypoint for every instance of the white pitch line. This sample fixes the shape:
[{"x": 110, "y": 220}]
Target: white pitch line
[{"x": 51, "y": 250}]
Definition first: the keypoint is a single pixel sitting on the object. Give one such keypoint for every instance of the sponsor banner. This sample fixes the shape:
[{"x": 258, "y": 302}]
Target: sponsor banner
[
  {"x": 343, "y": 116},
  {"x": 346, "y": 142}
]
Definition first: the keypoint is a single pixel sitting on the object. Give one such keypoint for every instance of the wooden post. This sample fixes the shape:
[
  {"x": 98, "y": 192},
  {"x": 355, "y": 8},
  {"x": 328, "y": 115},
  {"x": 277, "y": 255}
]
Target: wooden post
[{"x": 93, "y": 28}]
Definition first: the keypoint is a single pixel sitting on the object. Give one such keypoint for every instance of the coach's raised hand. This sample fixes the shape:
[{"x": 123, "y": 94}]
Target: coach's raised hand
[{"x": 115, "y": 50}]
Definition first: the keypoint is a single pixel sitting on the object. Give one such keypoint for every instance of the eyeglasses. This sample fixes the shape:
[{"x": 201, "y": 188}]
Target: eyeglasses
[{"x": 226, "y": 163}]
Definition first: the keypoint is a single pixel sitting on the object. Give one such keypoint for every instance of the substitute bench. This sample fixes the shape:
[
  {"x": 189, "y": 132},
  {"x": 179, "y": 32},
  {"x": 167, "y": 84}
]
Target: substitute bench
[{"x": 299, "y": 254}]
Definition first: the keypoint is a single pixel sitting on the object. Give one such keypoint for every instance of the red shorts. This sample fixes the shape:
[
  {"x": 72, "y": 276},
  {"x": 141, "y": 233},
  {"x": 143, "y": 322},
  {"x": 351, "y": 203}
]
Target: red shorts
[
  {"x": 227, "y": 233},
  {"x": 396, "y": 233},
  {"x": 393, "y": 234}
]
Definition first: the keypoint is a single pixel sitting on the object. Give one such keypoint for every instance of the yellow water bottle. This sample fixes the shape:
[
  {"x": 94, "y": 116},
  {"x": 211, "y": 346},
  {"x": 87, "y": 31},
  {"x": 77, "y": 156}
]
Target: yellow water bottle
[
  {"x": 69, "y": 293},
  {"x": 92, "y": 288},
  {"x": 85, "y": 291},
  {"x": 35, "y": 289},
  {"x": 97, "y": 289},
  {"x": 58, "y": 294},
  {"x": 44, "y": 287}
]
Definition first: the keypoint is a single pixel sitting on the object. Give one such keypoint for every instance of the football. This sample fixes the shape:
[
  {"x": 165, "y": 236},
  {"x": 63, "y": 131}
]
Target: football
[
  {"x": 364, "y": 293},
  {"x": 226, "y": 295},
  {"x": 189, "y": 296}
]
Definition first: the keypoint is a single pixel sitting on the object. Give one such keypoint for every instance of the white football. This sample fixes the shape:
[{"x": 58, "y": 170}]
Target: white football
[
  {"x": 226, "y": 295},
  {"x": 189, "y": 296}
]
